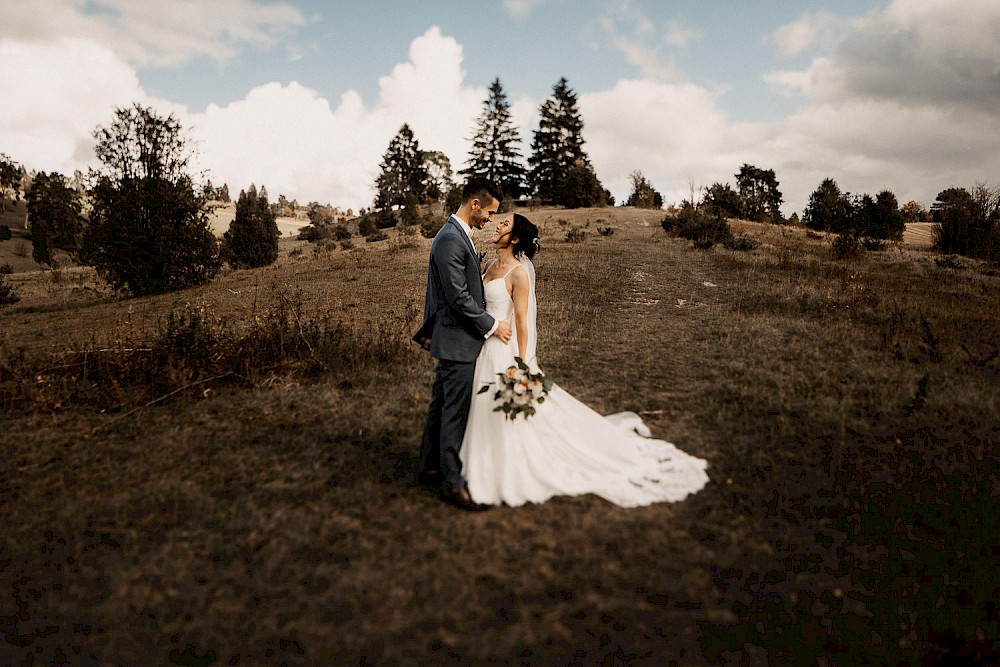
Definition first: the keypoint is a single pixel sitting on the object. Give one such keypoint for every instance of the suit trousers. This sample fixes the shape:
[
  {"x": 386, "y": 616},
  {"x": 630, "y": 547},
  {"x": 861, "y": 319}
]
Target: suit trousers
[{"x": 447, "y": 417}]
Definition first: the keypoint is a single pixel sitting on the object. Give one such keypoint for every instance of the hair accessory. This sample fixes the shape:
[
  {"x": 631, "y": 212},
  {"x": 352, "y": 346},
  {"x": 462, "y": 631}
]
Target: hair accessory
[{"x": 535, "y": 241}]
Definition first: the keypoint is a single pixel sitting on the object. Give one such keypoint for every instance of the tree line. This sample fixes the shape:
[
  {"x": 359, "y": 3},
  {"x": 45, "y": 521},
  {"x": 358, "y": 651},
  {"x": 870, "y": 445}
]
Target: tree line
[{"x": 143, "y": 224}]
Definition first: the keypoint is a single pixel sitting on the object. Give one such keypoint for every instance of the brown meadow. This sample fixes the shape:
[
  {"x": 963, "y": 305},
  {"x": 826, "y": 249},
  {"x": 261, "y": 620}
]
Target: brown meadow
[{"x": 225, "y": 475}]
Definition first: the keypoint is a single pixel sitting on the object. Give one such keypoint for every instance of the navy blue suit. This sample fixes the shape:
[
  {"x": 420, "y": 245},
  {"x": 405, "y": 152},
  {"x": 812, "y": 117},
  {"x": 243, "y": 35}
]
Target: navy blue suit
[{"x": 454, "y": 330}]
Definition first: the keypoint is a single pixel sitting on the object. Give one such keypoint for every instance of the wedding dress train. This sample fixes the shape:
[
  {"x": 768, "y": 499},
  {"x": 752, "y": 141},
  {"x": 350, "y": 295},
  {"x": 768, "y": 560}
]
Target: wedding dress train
[{"x": 565, "y": 448}]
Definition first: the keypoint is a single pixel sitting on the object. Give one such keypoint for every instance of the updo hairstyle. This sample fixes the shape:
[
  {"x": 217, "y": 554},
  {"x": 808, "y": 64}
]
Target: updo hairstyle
[{"x": 526, "y": 234}]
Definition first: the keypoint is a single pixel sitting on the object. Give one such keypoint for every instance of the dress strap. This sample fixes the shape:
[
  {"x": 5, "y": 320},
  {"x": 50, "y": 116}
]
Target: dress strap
[
  {"x": 488, "y": 267},
  {"x": 509, "y": 270}
]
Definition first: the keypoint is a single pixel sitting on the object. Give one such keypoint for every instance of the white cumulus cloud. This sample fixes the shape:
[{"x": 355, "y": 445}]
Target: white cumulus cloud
[{"x": 290, "y": 139}]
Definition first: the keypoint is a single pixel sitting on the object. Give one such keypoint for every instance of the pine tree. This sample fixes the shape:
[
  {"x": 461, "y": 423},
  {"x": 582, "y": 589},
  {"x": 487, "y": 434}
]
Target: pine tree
[
  {"x": 494, "y": 153},
  {"x": 760, "y": 194},
  {"x": 557, "y": 151},
  {"x": 252, "y": 238},
  {"x": 828, "y": 209},
  {"x": 403, "y": 172}
]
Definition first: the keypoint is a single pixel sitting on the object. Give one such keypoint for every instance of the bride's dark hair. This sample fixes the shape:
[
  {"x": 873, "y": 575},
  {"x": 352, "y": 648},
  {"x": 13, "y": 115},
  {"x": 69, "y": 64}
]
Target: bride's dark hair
[{"x": 526, "y": 234}]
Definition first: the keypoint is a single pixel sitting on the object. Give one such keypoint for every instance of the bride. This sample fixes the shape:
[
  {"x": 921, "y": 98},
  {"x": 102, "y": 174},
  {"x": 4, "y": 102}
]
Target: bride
[{"x": 565, "y": 448}]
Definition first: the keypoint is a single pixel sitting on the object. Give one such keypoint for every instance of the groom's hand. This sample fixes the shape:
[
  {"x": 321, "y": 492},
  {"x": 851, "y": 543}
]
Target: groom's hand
[{"x": 503, "y": 331}]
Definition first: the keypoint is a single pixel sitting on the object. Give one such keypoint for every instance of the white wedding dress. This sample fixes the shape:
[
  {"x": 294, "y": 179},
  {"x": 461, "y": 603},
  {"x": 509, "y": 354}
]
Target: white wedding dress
[{"x": 565, "y": 448}]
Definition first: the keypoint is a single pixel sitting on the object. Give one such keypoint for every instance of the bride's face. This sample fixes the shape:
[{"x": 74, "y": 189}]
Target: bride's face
[{"x": 502, "y": 236}]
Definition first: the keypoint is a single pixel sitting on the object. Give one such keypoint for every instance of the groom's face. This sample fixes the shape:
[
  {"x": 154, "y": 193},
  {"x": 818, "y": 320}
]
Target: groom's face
[{"x": 483, "y": 210}]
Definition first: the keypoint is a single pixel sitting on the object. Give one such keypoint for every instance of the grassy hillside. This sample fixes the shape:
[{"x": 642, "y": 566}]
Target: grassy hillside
[{"x": 225, "y": 474}]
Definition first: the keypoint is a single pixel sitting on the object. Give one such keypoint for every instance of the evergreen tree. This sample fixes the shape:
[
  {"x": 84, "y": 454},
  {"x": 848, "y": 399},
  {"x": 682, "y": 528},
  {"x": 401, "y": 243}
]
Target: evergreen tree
[
  {"x": 557, "y": 148},
  {"x": 580, "y": 187},
  {"x": 252, "y": 238},
  {"x": 722, "y": 201},
  {"x": 148, "y": 230},
  {"x": 403, "y": 172},
  {"x": 494, "y": 153},
  {"x": 54, "y": 211},
  {"x": 828, "y": 209},
  {"x": 759, "y": 193},
  {"x": 887, "y": 219}
]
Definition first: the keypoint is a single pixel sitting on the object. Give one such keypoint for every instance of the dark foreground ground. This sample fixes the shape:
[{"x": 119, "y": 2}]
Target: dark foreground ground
[{"x": 239, "y": 490}]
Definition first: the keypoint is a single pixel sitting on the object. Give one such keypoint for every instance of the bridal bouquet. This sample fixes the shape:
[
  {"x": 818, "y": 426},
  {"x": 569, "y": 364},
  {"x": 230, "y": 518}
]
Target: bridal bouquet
[{"x": 519, "y": 389}]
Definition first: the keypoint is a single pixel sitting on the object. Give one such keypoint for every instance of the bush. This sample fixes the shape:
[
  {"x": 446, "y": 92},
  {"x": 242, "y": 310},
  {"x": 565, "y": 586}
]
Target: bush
[
  {"x": 379, "y": 236},
  {"x": 148, "y": 230},
  {"x": 431, "y": 225},
  {"x": 6, "y": 268},
  {"x": 347, "y": 245},
  {"x": 580, "y": 188},
  {"x": 5, "y": 234},
  {"x": 576, "y": 235},
  {"x": 366, "y": 225},
  {"x": 605, "y": 231},
  {"x": 741, "y": 242},
  {"x": 968, "y": 223},
  {"x": 384, "y": 218},
  {"x": 847, "y": 246},
  {"x": 694, "y": 224},
  {"x": 150, "y": 236},
  {"x": 7, "y": 293},
  {"x": 340, "y": 232}
]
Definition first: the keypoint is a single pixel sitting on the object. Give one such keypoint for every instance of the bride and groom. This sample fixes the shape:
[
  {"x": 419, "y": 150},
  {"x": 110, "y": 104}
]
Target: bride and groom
[{"x": 475, "y": 324}]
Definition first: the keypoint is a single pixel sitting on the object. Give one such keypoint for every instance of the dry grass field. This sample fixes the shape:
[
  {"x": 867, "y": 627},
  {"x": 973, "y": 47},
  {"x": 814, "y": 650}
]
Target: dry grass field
[{"x": 224, "y": 475}]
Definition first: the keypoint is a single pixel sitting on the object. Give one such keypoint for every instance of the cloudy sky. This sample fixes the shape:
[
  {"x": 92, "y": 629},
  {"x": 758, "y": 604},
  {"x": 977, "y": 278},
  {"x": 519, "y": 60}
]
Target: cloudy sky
[{"x": 304, "y": 96}]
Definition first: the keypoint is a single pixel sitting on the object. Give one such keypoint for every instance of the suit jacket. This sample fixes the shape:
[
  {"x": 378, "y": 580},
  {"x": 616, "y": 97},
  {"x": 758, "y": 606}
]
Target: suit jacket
[{"x": 455, "y": 317}]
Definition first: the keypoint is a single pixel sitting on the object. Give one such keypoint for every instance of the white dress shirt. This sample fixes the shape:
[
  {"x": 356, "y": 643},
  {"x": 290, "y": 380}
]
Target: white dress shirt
[{"x": 467, "y": 228}]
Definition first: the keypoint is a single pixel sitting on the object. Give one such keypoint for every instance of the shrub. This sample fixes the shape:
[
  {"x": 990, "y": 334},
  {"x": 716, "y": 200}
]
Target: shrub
[
  {"x": 148, "y": 230},
  {"x": 576, "y": 235},
  {"x": 7, "y": 293},
  {"x": 384, "y": 218},
  {"x": 366, "y": 225},
  {"x": 694, "y": 224},
  {"x": 6, "y": 268},
  {"x": 580, "y": 188},
  {"x": 741, "y": 242},
  {"x": 847, "y": 246},
  {"x": 949, "y": 262},
  {"x": 347, "y": 245},
  {"x": 431, "y": 225},
  {"x": 5, "y": 234},
  {"x": 605, "y": 231},
  {"x": 379, "y": 236},
  {"x": 968, "y": 223}
]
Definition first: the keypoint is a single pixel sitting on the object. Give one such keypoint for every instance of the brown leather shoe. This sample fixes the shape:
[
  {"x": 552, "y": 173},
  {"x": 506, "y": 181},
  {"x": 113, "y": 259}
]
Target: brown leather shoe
[{"x": 462, "y": 499}]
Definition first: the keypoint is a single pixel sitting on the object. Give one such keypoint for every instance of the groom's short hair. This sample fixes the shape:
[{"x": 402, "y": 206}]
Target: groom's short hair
[{"x": 478, "y": 186}]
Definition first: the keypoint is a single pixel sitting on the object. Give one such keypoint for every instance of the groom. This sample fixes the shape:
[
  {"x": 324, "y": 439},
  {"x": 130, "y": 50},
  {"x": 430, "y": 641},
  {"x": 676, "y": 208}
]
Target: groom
[{"x": 455, "y": 326}]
